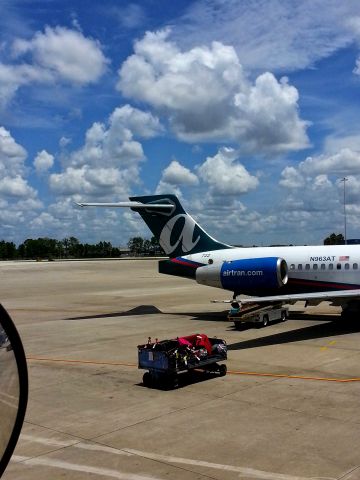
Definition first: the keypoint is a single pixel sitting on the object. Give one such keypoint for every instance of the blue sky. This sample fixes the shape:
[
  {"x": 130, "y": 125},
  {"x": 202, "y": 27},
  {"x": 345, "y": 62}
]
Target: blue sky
[{"x": 248, "y": 110}]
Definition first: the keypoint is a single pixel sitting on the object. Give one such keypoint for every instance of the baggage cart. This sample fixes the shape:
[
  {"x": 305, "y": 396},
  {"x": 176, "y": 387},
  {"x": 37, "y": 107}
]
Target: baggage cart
[
  {"x": 259, "y": 314},
  {"x": 166, "y": 359}
]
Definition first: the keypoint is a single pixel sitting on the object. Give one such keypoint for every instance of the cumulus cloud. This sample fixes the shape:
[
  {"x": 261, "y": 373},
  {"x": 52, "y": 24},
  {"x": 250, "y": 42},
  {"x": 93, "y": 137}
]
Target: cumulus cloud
[
  {"x": 12, "y": 155},
  {"x": 46, "y": 221},
  {"x": 346, "y": 161},
  {"x": 173, "y": 177},
  {"x": 268, "y": 115},
  {"x": 62, "y": 219},
  {"x": 207, "y": 96},
  {"x": 108, "y": 163},
  {"x": 16, "y": 195},
  {"x": 86, "y": 180},
  {"x": 177, "y": 174},
  {"x": 105, "y": 167},
  {"x": 315, "y": 187},
  {"x": 56, "y": 55},
  {"x": 12, "y": 77},
  {"x": 165, "y": 188},
  {"x": 334, "y": 143},
  {"x": 113, "y": 145},
  {"x": 43, "y": 161},
  {"x": 230, "y": 220},
  {"x": 65, "y": 52},
  {"x": 225, "y": 176},
  {"x": 309, "y": 171},
  {"x": 318, "y": 193},
  {"x": 19, "y": 202},
  {"x": 129, "y": 119},
  {"x": 15, "y": 187},
  {"x": 315, "y": 173},
  {"x": 291, "y": 178}
]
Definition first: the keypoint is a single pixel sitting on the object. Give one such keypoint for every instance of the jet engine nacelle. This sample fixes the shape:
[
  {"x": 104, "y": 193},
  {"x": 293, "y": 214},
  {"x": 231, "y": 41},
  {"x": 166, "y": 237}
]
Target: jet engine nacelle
[{"x": 245, "y": 275}]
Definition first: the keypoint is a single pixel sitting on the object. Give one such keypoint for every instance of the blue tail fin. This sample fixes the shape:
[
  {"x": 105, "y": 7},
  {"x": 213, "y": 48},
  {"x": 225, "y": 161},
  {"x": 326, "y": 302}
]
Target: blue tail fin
[{"x": 176, "y": 231}]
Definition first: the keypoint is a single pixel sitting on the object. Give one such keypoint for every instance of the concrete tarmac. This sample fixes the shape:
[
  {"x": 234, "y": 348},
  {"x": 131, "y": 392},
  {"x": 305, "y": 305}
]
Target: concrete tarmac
[{"x": 287, "y": 410}]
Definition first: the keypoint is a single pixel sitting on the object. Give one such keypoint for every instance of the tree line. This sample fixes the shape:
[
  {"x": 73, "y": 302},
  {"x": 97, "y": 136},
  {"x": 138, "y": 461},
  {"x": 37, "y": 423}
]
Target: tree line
[
  {"x": 72, "y": 248},
  {"x": 49, "y": 248}
]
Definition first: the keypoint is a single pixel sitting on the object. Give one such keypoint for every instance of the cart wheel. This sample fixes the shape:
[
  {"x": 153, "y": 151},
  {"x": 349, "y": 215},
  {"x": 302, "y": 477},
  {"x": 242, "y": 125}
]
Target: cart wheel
[
  {"x": 222, "y": 370},
  {"x": 169, "y": 382},
  {"x": 265, "y": 321},
  {"x": 147, "y": 379},
  {"x": 175, "y": 383}
]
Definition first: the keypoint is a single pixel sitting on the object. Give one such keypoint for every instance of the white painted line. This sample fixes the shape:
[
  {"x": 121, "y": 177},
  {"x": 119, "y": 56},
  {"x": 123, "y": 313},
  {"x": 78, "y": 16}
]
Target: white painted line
[
  {"x": 102, "y": 448},
  {"x": 73, "y": 443},
  {"x": 9, "y": 404},
  {"x": 249, "y": 472},
  {"x": 12, "y": 397},
  {"x": 76, "y": 467},
  {"x": 53, "y": 442}
]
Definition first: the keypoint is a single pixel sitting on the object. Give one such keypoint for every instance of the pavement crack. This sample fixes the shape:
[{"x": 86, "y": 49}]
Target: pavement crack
[{"x": 345, "y": 475}]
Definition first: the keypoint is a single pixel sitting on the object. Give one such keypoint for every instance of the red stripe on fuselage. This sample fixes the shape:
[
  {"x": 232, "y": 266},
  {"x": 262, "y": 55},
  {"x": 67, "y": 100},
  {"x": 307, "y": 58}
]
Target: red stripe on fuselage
[{"x": 187, "y": 263}]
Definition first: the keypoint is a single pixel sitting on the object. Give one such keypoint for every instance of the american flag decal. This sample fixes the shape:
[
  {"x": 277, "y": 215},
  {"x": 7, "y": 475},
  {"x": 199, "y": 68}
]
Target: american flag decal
[{"x": 343, "y": 259}]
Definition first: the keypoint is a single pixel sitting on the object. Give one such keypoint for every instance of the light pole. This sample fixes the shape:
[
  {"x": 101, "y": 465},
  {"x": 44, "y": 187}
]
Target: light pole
[{"x": 344, "y": 179}]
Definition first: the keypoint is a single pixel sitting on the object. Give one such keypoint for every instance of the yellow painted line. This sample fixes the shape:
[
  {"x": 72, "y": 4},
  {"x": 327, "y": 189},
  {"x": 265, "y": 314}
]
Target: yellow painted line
[
  {"x": 328, "y": 345},
  {"x": 91, "y": 362},
  {"x": 230, "y": 372},
  {"x": 300, "y": 377}
]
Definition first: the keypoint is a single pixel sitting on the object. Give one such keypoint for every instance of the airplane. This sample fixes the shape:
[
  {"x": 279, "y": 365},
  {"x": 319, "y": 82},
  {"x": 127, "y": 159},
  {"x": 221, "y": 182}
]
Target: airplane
[{"x": 266, "y": 274}]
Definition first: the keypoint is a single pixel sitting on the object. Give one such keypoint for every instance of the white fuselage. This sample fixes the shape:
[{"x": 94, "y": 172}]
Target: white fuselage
[{"x": 310, "y": 268}]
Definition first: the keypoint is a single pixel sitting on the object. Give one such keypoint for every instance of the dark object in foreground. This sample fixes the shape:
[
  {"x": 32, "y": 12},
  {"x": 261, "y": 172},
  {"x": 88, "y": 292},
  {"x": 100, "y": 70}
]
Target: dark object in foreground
[
  {"x": 166, "y": 359},
  {"x": 13, "y": 387}
]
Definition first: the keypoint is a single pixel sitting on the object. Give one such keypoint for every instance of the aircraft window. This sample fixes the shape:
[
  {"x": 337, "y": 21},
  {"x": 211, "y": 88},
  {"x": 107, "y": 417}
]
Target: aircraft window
[
  {"x": 331, "y": 266},
  {"x": 338, "y": 266},
  {"x": 323, "y": 266},
  {"x": 315, "y": 266},
  {"x": 300, "y": 266},
  {"x": 292, "y": 267},
  {"x": 355, "y": 266},
  {"x": 307, "y": 266},
  {"x": 347, "y": 266}
]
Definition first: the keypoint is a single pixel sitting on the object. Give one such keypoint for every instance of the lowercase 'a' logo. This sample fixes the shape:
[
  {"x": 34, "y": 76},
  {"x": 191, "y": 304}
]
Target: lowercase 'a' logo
[{"x": 185, "y": 237}]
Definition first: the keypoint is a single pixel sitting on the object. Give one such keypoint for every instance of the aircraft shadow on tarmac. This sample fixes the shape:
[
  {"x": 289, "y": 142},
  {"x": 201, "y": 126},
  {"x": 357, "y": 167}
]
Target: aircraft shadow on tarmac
[
  {"x": 152, "y": 310},
  {"x": 330, "y": 329},
  {"x": 139, "y": 310},
  {"x": 333, "y": 325}
]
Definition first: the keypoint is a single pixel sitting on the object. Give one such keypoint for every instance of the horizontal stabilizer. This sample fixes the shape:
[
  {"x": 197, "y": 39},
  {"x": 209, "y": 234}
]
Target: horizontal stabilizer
[{"x": 128, "y": 205}]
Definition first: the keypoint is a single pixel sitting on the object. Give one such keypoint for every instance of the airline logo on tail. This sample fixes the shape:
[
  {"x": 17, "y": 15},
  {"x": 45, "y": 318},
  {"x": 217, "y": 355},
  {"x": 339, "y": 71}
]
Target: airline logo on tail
[{"x": 185, "y": 236}]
